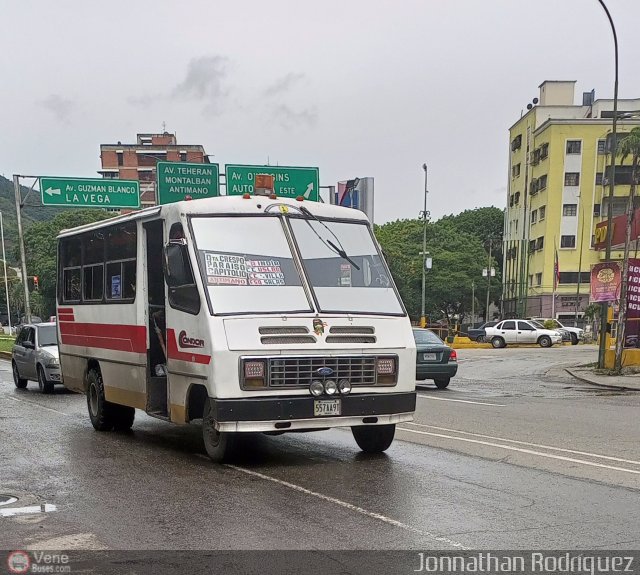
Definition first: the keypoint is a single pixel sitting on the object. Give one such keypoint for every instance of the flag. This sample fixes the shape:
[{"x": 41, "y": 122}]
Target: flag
[
  {"x": 556, "y": 270},
  {"x": 348, "y": 193}
]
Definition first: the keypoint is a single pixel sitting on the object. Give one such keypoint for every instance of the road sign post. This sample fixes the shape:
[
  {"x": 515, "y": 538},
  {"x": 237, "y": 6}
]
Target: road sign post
[
  {"x": 178, "y": 181},
  {"x": 289, "y": 182},
  {"x": 89, "y": 193}
]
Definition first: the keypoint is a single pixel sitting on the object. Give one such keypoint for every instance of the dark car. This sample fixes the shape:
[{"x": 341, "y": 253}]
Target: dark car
[
  {"x": 435, "y": 360},
  {"x": 478, "y": 333}
]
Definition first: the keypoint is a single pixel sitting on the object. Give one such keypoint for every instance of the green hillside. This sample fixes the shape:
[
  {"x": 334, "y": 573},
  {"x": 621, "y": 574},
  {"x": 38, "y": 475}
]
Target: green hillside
[{"x": 32, "y": 212}]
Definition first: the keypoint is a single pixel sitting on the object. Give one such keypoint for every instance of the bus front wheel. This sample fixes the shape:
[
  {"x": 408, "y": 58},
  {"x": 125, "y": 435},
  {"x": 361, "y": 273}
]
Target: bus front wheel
[
  {"x": 374, "y": 438},
  {"x": 105, "y": 415},
  {"x": 219, "y": 445}
]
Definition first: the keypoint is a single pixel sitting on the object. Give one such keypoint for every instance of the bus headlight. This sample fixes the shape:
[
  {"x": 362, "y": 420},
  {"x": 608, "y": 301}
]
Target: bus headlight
[
  {"x": 386, "y": 366},
  {"x": 316, "y": 388},
  {"x": 330, "y": 387},
  {"x": 344, "y": 386},
  {"x": 254, "y": 374}
]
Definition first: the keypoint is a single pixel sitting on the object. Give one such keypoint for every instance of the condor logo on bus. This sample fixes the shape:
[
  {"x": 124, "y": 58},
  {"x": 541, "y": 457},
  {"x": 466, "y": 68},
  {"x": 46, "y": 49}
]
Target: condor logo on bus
[{"x": 186, "y": 341}]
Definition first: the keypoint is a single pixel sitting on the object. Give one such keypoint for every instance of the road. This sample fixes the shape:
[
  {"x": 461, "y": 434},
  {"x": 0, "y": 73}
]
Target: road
[{"x": 514, "y": 455}]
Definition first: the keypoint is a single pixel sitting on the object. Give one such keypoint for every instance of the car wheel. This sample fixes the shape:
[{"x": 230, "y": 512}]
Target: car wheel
[
  {"x": 498, "y": 342},
  {"x": 480, "y": 339},
  {"x": 44, "y": 385},
  {"x": 545, "y": 341},
  {"x": 374, "y": 438},
  {"x": 219, "y": 445},
  {"x": 574, "y": 339},
  {"x": 20, "y": 382},
  {"x": 101, "y": 411},
  {"x": 442, "y": 383}
]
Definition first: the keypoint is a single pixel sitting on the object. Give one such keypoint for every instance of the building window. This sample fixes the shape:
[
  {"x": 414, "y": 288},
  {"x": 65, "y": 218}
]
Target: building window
[
  {"x": 567, "y": 241},
  {"x": 572, "y": 277},
  {"x": 542, "y": 182},
  {"x": 530, "y": 283},
  {"x": 539, "y": 279},
  {"x": 516, "y": 198},
  {"x": 602, "y": 147},
  {"x": 544, "y": 151},
  {"x": 183, "y": 156},
  {"x": 599, "y": 176},
  {"x": 542, "y": 212},
  {"x": 516, "y": 143},
  {"x": 571, "y": 178},
  {"x": 569, "y": 209},
  {"x": 574, "y": 146},
  {"x": 515, "y": 171},
  {"x": 540, "y": 243},
  {"x": 596, "y": 210},
  {"x": 120, "y": 158},
  {"x": 511, "y": 201},
  {"x": 534, "y": 216}
]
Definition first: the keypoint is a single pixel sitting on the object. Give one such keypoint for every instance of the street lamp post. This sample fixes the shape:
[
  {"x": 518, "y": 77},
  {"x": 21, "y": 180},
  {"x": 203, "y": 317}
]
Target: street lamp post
[
  {"x": 425, "y": 215},
  {"x": 605, "y": 306},
  {"x": 489, "y": 269}
]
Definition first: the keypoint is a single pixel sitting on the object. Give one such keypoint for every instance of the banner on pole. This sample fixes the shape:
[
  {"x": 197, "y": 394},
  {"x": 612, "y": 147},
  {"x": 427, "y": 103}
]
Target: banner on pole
[{"x": 605, "y": 282}]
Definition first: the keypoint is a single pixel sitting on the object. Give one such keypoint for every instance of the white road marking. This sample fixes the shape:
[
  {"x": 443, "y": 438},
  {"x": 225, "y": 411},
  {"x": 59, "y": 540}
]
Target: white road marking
[
  {"x": 37, "y": 405},
  {"x": 32, "y": 509},
  {"x": 350, "y": 506},
  {"x": 528, "y": 451},
  {"x": 461, "y": 401},
  {"x": 564, "y": 450}
]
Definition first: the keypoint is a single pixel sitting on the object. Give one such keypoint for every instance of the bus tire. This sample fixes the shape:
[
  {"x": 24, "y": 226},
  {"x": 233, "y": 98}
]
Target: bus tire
[
  {"x": 123, "y": 417},
  {"x": 218, "y": 445},
  {"x": 374, "y": 438},
  {"x": 101, "y": 412}
]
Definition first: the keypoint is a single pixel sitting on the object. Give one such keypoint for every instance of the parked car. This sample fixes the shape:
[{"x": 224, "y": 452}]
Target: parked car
[
  {"x": 435, "y": 360},
  {"x": 520, "y": 331},
  {"x": 576, "y": 334},
  {"x": 35, "y": 357},
  {"x": 478, "y": 333}
]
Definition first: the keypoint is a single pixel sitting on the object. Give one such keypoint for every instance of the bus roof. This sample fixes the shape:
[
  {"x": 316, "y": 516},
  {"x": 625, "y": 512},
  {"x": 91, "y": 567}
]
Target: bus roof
[{"x": 233, "y": 205}]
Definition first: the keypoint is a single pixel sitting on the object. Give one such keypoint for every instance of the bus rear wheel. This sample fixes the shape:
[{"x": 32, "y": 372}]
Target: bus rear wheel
[
  {"x": 374, "y": 438},
  {"x": 219, "y": 445}
]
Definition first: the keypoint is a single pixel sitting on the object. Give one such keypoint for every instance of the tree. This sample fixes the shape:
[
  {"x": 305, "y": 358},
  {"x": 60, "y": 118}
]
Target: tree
[
  {"x": 629, "y": 146},
  {"x": 40, "y": 249},
  {"x": 458, "y": 258}
]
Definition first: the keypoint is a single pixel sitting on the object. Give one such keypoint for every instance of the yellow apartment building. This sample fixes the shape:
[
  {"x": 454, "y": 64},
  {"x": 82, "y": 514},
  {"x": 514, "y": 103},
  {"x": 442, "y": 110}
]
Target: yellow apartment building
[{"x": 559, "y": 159}]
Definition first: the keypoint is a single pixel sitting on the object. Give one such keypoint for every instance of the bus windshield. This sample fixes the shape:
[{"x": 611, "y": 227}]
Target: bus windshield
[
  {"x": 247, "y": 265},
  {"x": 344, "y": 267}
]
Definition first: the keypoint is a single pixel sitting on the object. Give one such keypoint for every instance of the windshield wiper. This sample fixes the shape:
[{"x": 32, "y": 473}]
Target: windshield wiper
[{"x": 335, "y": 249}]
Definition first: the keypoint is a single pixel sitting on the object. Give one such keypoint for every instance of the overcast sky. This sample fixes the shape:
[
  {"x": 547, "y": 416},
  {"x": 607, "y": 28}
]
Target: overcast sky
[{"x": 357, "y": 88}]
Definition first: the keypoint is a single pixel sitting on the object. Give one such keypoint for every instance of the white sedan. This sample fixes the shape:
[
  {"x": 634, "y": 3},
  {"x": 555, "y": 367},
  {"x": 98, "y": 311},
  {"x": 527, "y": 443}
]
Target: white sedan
[{"x": 519, "y": 331}]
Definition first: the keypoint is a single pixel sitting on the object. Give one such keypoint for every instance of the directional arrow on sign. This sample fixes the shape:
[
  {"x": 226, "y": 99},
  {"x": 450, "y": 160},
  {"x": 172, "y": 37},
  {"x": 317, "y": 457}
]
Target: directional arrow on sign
[
  {"x": 52, "y": 191},
  {"x": 308, "y": 192}
]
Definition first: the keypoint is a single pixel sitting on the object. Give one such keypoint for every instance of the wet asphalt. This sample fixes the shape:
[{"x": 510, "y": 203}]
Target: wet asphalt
[{"x": 514, "y": 455}]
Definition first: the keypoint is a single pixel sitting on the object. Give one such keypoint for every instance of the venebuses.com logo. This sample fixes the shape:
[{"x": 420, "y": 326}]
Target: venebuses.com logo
[{"x": 18, "y": 562}]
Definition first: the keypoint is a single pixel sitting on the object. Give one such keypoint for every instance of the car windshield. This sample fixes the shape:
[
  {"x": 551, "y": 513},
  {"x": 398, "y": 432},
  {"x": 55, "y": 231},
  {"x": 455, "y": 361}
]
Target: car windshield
[
  {"x": 357, "y": 279},
  {"x": 47, "y": 335},
  {"x": 537, "y": 324},
  {"x": 247, "y": 265},
  {"x": 426, "y": 336}
]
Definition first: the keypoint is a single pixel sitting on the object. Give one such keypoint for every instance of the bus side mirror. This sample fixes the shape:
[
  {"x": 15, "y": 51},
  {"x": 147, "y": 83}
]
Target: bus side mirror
[{"x": 177, "y": 271}]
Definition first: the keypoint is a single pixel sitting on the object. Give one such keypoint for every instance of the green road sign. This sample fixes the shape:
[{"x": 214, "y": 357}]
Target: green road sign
[
  {"x": 177, "y": 180},
  {"x": 89, "y": 193},
  {"x": 290, "y": 182}
]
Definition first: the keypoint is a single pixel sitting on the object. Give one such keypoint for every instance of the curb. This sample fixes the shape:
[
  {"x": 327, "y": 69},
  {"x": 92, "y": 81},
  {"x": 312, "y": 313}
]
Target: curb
[
  {"x": 603, "y": 385},
  {"x": 5, "y": 355}
]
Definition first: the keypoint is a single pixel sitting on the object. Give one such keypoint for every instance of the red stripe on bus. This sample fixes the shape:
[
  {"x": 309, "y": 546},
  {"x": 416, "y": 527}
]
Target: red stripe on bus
[
  {"x": 66, "y": 317},
  {"x": 174, "y": 353},
  {"x": 131, "y": 338},
  {"x": 65, "y": 310}
]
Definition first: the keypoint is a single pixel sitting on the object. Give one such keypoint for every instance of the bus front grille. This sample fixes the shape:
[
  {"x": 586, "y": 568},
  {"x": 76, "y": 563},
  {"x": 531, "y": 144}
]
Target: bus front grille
[{"x": 301, "y": 371}]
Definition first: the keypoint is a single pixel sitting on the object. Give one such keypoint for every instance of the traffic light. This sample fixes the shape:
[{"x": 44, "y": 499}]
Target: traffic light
[{"x": 35, "y": 283}]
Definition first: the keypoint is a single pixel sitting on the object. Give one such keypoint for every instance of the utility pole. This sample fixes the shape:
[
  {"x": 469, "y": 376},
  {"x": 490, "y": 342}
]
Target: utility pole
[
  {"x": 486, "y": 313},
  {"x": 23, "y": 260},
  {"x": 473, "y": 302},
  {"x": 424, "y": 214},
  {"x": 6, "y": 280}
]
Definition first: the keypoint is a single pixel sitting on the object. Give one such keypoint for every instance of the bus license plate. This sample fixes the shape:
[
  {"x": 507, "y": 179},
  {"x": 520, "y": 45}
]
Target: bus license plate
[
  {"x": 429, "y": 356},
  {"x": 324, "y": 407}
]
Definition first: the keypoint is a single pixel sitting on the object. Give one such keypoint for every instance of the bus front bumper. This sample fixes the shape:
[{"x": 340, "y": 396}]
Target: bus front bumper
[{"x": 297, "y": 412}]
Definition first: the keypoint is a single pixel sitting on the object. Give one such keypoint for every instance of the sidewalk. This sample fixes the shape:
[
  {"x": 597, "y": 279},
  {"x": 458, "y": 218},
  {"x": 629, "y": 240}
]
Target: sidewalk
[{"x": 627, "y": 382}]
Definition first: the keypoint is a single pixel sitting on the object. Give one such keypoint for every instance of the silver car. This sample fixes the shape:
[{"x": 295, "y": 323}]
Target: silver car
[{"x": 35, "y": 357}]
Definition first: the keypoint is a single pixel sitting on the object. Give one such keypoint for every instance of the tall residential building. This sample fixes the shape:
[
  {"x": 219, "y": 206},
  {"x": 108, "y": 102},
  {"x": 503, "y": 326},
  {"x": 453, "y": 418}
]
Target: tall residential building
[
  {"x": 138, "y": 161},
  {"x": 559, "y": 158}
]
